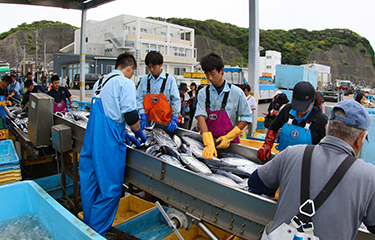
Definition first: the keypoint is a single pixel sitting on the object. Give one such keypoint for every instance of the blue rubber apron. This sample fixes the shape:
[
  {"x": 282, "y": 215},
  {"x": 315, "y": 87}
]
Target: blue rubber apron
[
  {"x": 292, "y": 135},
  {"x": 3, "y": 114},
  {"x": 101, "y": 167}
]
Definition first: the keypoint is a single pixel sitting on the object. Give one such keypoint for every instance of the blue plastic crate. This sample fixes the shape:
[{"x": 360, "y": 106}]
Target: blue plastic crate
[
  {"x": 8, "y": 155},
  {"x": 82, "y": 105},
  {"x": 7, "y": 168},
  {"x": 148, "y": 226},
  {"x": 52, "y": 185}
]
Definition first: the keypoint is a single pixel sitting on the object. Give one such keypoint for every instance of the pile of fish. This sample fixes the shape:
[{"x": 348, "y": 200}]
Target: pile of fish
[
  {"x": 76, "y": 116},
  {"x": 230, "y": 169},
  {"x": 19, "y": 116}
]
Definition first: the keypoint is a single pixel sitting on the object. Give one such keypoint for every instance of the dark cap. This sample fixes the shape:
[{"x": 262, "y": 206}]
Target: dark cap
[
  {"x": 282, "y": 99},
  {"x": 355, "y": 114},
  {"x": 303, "y": 96},
  {"x": 183, "y": 86}
]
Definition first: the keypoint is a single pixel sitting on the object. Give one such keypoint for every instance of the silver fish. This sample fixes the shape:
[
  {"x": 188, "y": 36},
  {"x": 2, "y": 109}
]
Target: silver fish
[
  {"x": 171, "y": 160},
  {"x": 170, "y": 151},
  {"x": 232, "y": 176},
  {"x": 234, "y": 169},
  {"x": 191, "y": 142},
  {"x": 193, "y": 164},
  {"x": 214, "y": 162},
  {"x": 185, "y": 149},
  {"x": 177, "y": 141},
  {"x": 223, "y": 180},
  {"x": 231, "y": 155},
  {"x": 153, "y": 150},
  {"x": 237, "y": 161},
  {"x": 248, "y": 168},
  {"x": 162, "y": 138}
]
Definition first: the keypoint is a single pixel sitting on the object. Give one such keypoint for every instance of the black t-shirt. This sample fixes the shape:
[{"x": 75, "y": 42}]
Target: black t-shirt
[
  {"x": 61, "y": 95},
  {"x": 26, "y": 96},
  {"x": 4, "y": 91},
  {"x": 316, "y": 117}
]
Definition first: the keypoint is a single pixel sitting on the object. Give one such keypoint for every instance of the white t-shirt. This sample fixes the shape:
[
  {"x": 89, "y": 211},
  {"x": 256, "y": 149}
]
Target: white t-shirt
[{"x": 251, "y": 101}]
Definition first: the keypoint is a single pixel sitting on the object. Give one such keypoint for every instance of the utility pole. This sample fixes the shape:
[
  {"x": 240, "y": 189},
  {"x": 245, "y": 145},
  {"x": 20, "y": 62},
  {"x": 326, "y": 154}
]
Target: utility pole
[
  {"x": 36, "y": 51},
  {"x": 44, "y": 65},
  {"x": 24, "y": 66}
]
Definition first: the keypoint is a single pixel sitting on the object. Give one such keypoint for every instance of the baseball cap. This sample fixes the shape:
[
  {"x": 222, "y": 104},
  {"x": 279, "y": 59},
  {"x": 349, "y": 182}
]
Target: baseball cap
[
  {"x": 277, "y": 93},
  {"x": 282, "y": 99},
  {"x": 303, "y": 96},
  {"x": 355, "y": 114}
]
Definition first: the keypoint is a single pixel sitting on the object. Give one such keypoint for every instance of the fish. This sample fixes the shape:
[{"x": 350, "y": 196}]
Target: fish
[
  {"x": 234, "y": 169},
  {"x": 185, "y": 149},
  {"x": 170, "y": 151},
  {"x": 237, "y": 161},
  {"x": 214, "y": 162},
  {"x": 248, "y": 168},
  {"x": 171, "y": 160},
  {"x": 193, "y": 164},
  {"x": 177, "y": 140},
  {"x": 231, "y": 155},
  {"x": 162, "y": 138},
  {"x": 153, "y": 150},
  {"x": 191, "y": 142},
  {"x": 223, "y": 180},
  {"x": 232, "y": 176}
]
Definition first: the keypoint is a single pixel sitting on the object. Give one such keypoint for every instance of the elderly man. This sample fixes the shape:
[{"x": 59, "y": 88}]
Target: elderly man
[{"x": 350, "y": 201}]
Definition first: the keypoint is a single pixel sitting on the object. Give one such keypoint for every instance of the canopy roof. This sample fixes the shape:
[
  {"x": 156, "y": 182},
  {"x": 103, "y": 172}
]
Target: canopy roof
[{"x": 67, "y": 4}]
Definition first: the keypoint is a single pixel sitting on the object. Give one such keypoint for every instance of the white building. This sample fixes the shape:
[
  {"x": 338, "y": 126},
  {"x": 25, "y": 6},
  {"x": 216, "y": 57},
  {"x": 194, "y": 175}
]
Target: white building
[
  {"x": 268, "y": 63},
  {"x": 139, "y": 35},
  {"x": 324, "y": 74}
]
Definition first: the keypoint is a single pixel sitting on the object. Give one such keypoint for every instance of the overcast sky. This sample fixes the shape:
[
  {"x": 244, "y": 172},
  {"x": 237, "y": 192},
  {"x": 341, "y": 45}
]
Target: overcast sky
[{"x": 356, "y": 15}]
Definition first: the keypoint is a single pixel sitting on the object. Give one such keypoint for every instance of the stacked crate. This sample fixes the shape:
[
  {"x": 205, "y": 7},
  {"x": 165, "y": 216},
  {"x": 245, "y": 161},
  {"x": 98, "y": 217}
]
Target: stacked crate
[{"x": 9, "y": 163}]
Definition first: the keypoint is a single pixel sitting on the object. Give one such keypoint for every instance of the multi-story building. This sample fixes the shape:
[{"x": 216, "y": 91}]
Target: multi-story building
[
  {"x": 268, "y": 63},
  {"x": 105, "y": 40}
]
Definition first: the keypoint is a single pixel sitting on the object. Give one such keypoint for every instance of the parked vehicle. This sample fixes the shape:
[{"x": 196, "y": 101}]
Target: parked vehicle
[{"x": 90, "y": 79}]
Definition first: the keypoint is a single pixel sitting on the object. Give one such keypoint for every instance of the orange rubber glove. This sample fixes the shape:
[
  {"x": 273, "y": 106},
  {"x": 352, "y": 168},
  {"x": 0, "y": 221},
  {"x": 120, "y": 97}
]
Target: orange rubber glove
[
  {"x": 210, "y": 149},
  {"x": 226, "y": 139}
]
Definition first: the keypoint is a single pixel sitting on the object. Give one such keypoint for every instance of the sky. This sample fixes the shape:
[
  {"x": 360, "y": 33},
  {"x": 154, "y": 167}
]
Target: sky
[{"x": 356, "y": 15}]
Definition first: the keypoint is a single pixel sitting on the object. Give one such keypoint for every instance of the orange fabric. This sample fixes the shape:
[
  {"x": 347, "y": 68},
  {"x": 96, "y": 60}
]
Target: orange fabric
[{"x": 157, "y": 108}]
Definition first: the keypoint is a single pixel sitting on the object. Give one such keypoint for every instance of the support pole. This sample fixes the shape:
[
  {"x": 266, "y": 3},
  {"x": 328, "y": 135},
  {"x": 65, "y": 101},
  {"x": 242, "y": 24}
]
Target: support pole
[
  {"x": 82, "y": 56},
  {"x": 254, "y": 54}
]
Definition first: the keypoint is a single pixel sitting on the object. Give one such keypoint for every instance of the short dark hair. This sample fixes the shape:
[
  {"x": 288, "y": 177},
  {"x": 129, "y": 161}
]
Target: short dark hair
[
  {"x": 55, "y": 78},
  {"x": 13, "y": 76},
  {"x": 7, "y": 79},
  {"x": 154, "y": 57},
  {"x": 28, "y": 83},
  {"x": 246, "y": 86},
  {"x": 359, "y": 97},
  {"x": 212, "y": 61},
  {"x": 193, "y": 84},
  {"x": 125, "y": 60},
  {"x": 29, "y": 73}
]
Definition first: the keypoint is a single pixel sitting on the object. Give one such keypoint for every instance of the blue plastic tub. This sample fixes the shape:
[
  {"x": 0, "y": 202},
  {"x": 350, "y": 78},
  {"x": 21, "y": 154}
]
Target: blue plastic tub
[
  {"x": 26, "y": 197},
  {"x": 148, "y": 226},
  {"x": 52, "y": 185},
  {"x": 8, "y": 155}
]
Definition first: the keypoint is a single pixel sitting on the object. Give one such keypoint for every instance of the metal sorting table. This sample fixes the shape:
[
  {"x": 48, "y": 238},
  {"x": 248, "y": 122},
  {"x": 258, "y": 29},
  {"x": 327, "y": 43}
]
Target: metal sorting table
[{"x": 232, "y": 209}]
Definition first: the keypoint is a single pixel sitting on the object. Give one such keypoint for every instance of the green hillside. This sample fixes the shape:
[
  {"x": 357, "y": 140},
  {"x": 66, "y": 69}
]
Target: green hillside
[
  {"x": 295, "y": 45},
  {"x": 33, "y": 26}
]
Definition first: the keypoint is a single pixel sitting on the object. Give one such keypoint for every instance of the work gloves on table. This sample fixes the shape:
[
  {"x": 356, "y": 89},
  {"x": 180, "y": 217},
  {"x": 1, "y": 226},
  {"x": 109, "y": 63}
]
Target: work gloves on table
[
  {"x": 265, "y": 151},
  {"x": 209, "y": 144},
  {"x": 226, "y": 139},
  {"x": 144, "y": 121},
  {"x": 138, "y": 138},
  {"x": 172, "y": 125}
]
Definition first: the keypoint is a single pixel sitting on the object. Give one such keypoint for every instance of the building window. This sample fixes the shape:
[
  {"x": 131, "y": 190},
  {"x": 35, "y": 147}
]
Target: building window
[
  {"x": 108, "y": 50},
  {"x": 152, "y": 48},
  {"x": 87, "y": 39},
  {"x": 269, "y": 67},
  {"x": 163, "y": 34},
  {"x": 179, "y": 71},
  {"x": 143, "y": 30},
  {"x": 171, "y": 35},
  {"x": 109, "y": 68},
  {"x": 134, "y": 29},
  {"x": 269, "y": 57},
  {"x": 179, "y": 52}
]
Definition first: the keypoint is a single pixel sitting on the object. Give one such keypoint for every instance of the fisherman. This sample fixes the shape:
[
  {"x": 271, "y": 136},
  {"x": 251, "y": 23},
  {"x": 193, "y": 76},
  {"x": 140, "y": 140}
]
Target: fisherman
[
  {"x": 14, "y": 88},
  {"x": 60, "y": 94},
  {"x": 219, "y": 106},
  {"x": 29, "y": 85},
  {"x": 349, "y": 204},
  {"x": 158, "y": 98},
  {"x": 3, "y": 97},
  {"x": 29, "y": 76},
  {"x": 103, "y": 155},
  {"x": 301, "y": 122}
]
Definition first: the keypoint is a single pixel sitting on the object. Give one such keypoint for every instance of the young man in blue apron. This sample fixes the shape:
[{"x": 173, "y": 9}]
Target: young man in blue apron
[
  {"x": 158, "y": 98},
  {"x": 60, "y": 94},
  {"x": 103, "y": 155},
  {"x": 31, "y": 88},
  {"x": 301, "y": 122},
  {"x": 14, "y": 88},
  {"x": 219, "y": 106}
]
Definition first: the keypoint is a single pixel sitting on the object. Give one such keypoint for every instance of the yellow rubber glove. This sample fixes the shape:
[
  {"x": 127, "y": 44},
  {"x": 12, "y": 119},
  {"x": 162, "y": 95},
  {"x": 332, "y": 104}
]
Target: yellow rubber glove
[
  {"x": 208, "y": 141},
  {"x": 10, "y": 95},
  {"x": 9, "y": 103},
  {"x": 3, "y": 104},
  {"x": 226, "y": 139}
]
